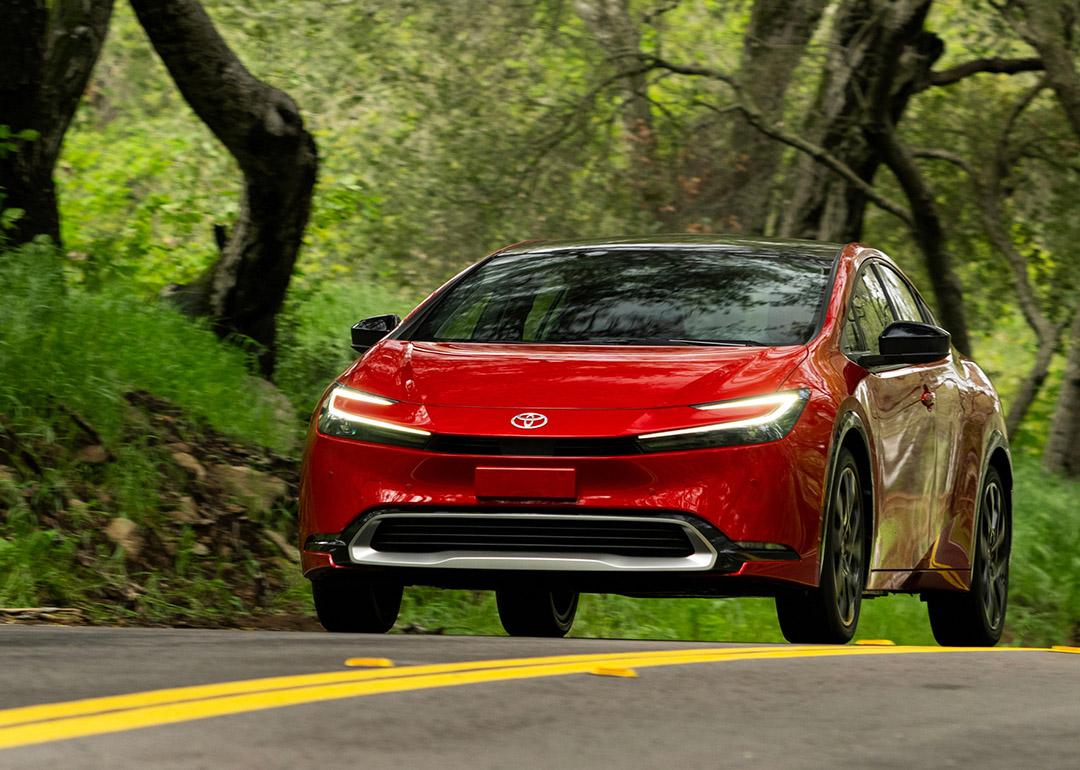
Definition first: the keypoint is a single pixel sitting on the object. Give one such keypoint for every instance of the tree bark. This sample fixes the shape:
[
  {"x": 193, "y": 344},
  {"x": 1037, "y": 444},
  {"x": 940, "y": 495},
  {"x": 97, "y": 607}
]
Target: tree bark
[
  {"x": 903, "y": 29},
  {"x": 262, "y": 128},
  {"x": 1062, "y": 453},
  {"x": 737, "y": 197},
  {"x": 989, "y": 197},
  {"x": 821, "y": 205},
  {"x": 1049, "y": 27},
  {"x": 47, "y": 52},
  {"x": 611, "y": 25}
]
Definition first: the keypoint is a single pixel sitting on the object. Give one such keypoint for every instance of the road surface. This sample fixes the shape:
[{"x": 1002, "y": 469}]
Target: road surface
[{"x": 118, "y": 698}]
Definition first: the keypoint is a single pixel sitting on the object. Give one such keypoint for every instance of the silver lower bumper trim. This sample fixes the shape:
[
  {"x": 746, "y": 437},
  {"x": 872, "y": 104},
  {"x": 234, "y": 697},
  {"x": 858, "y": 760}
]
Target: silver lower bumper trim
[{"x": 702, "y": 558}]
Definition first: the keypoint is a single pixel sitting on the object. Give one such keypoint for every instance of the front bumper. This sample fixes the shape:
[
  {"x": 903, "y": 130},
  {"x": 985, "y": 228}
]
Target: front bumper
[{"x": 763, "y": 493}]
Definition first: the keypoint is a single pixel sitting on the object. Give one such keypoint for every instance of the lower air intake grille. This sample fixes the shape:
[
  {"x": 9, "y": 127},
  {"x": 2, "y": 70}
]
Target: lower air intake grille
[{"x": 565, "y": 536}]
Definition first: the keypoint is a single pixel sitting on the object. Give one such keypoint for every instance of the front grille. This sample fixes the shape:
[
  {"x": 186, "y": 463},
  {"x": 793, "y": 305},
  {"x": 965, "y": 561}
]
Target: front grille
[
  {"x": 565, "y": 536},
  {"x": 533, "y": 447}
]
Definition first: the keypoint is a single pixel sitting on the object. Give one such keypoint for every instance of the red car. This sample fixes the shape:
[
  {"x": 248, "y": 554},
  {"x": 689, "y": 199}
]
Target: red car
[{"x": 675, "y": 416}]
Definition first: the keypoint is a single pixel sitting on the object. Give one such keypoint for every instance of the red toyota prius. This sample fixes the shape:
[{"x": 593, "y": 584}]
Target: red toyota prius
[{"x": 675, "y": 416}]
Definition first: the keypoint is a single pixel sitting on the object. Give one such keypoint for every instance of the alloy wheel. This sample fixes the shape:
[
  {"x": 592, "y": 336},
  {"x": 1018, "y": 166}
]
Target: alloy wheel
[
  {"x": 847, "y": 552},
  {"x": 994, "y": 554}
]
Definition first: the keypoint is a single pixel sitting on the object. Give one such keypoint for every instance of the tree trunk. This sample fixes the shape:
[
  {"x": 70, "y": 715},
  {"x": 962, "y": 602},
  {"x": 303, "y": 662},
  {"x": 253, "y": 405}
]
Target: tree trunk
[
  {"x": 737, "y": 196},
  {"x": 904, "y": 37},
  {"x": 261, "y": 127},
  {"x": 822, "y": 205},
  {"x": 1049, "y": 27},
  {"x": 987, "y": 188},
  {"x": 610, "y": 24},
  {"x": 1062, "y": 453},
  {"x": 47, "y": 52}
]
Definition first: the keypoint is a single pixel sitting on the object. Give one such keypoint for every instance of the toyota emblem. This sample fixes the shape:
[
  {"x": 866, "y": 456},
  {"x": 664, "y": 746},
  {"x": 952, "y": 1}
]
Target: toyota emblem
[{"x": 528, "y": 420}]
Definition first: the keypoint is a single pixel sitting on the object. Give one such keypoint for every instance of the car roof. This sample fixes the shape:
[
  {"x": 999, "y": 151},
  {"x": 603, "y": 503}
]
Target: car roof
[{"x": 821, "y": 250}]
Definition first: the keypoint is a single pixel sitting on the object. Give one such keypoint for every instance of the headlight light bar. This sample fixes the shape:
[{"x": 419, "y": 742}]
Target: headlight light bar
[
  {"x": 774, "y": 424},
  {"x": 335, "y": 421}
]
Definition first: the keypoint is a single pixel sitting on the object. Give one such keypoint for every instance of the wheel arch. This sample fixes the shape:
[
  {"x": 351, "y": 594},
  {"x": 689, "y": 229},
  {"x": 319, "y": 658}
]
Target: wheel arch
[
  {"x": 850, "y": 433},
  {"x": 999, "y": 459}
]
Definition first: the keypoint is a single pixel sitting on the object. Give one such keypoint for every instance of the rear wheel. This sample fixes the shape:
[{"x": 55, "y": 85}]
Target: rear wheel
[
  {"x": 537, "y": 613},
  {"x": 829, "y": 613},
  {"x": 976, "y": 618},
  {"x": 348, "y": 604}
]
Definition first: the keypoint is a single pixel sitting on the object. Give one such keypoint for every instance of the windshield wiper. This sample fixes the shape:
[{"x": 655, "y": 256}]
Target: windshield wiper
[
  {"x": 722, "y": 343},
  {"x": 660, "y": 342}
]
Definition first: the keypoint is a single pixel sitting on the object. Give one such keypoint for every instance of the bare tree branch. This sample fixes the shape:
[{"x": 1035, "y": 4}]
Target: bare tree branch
[
  {"x": 947, "y": 77},
  {"x": 779, "y": 133}
]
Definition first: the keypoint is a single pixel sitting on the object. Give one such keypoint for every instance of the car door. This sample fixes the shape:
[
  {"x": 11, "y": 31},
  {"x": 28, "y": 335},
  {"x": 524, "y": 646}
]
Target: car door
[
  {"x": 901, "y": 428},
  {"x": 941, "y": 386}
]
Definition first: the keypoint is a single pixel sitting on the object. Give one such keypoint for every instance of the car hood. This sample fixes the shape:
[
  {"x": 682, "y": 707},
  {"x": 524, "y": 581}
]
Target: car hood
[{"x": 568, "y": 376}]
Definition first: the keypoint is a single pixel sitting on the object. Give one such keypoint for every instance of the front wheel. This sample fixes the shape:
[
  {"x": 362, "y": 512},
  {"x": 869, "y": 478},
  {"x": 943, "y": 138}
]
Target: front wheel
[
  {"x": 829, "y": 613},
  {"x": 537, "y": 613},
  {"x": 348, "y": 604},
  {"x": 976, "y": 618}
]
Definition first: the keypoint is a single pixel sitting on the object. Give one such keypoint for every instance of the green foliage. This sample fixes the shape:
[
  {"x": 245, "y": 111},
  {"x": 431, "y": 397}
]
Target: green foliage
[
  {"x": 314, "y": 333},
  {"x": 10, "y": 140},
  {"x": 68, "y": 356},
  {"x": 68, "y": 349},
  {"x": 1045, "y": 569}
]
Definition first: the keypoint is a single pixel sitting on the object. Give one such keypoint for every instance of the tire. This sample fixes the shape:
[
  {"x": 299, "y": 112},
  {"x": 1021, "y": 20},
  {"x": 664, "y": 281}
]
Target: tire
[
  {"x": 347, "y": 604},
  {"x": 537, "y": 613},
  {"x": 829, "y": 613},
  {"x": 976, "y": 618}
]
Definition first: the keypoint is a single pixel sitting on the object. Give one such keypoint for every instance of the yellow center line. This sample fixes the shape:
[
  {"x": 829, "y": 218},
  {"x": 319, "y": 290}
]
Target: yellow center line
[
  {"x": 10, "y": 717},
  {"x": 356, "y": 684}
]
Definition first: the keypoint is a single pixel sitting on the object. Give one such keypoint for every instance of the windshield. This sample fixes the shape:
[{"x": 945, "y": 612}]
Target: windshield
[{"x": 615, "y": 296}]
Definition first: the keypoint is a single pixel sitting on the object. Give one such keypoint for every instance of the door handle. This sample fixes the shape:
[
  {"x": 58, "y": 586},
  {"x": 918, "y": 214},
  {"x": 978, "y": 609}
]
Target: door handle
[{"x": 927, "y": 398}]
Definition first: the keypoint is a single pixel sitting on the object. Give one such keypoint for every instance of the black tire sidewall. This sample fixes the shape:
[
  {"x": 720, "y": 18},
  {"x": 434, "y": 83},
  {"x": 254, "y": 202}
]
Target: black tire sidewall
[{"x": 827, "y": 588}]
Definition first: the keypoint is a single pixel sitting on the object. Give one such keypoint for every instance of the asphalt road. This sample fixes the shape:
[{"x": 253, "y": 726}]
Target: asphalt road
[{"x": 689, "y": 705}]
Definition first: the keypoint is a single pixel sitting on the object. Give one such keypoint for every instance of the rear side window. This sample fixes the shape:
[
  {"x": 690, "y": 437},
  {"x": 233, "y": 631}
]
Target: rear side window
[
  {"x": 906, "y": 305},
  {"x": 868, "y": 314}
]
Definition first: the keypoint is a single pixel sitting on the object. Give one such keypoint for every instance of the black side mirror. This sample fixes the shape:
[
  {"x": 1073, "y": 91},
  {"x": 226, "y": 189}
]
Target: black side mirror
[
  {"x": 908, "y": 342},
  {"x": 369, "y": 331}
]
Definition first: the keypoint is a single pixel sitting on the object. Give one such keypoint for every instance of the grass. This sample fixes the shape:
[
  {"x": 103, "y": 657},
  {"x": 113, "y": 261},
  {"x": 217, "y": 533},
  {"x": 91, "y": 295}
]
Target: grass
[
  {"x": 64, "y": 348},
  {"x": 314, "y": 332},
  {"x": 68, "y": 356}
]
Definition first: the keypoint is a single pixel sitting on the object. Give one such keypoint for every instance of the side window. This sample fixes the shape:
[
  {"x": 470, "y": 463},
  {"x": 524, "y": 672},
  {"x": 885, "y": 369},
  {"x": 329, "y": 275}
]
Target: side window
[
  {"x": 906, "y": 304},
  {"x": 868, "y": 314}
]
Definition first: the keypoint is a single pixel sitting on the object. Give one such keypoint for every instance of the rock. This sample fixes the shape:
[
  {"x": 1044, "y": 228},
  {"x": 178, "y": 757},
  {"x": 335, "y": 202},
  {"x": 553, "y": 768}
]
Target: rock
[
  {"x": 287, "y": 548},
  {"x": 200, "y": 550},
  {"x": 94, "y": 454},
  {"x": 40, "y": 615},
  {"x": 125, "y": 533},
  {"x": 189, "y": 464},
  {"x": 187, "y": 511},
  {"x": 259, "y": 490}
]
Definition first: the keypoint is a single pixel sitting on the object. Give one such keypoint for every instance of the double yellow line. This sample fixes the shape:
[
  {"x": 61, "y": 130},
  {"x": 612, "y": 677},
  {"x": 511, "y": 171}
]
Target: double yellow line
[{"x": 95, "y": 716}]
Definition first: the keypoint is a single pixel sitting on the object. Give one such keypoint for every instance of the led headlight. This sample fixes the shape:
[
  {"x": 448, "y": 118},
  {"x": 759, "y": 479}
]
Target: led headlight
[
  {"x": 770, "y": 418},
  {"x": 339, "y": 415}
]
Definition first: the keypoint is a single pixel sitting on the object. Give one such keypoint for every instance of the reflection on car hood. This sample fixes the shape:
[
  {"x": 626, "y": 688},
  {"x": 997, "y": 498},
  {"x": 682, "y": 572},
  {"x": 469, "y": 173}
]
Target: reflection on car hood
[{"x": 568, "y": 376}]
